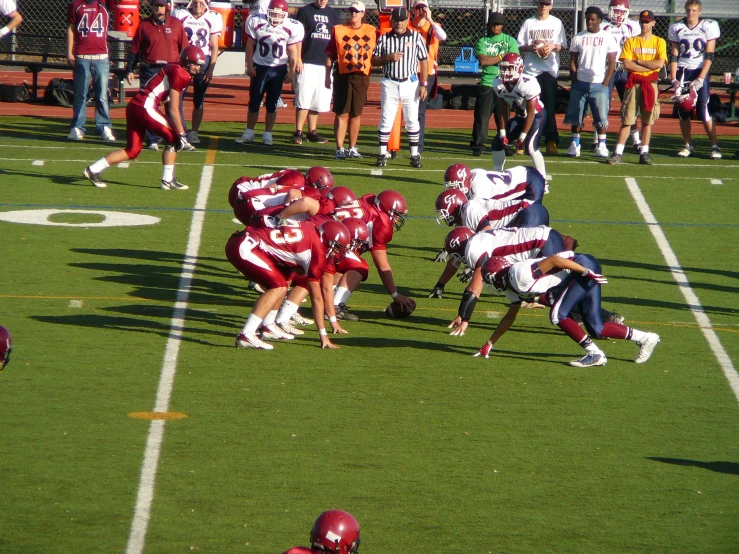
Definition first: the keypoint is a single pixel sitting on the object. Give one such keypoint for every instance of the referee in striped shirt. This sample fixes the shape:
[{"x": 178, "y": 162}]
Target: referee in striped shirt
[{"x": 404, "y": 60}]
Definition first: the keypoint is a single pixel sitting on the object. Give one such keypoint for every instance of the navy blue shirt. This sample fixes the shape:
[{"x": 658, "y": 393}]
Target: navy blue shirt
[{"x": 318, "y": 24}]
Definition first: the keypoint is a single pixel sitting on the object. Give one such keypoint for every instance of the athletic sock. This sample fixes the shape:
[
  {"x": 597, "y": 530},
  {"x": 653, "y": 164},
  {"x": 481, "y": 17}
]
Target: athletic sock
[
  {"x": 635, "y": 137},
  {"x": 576, "y": 139},
  {"x": 167, "y": 172},
  {"x": 498, "y": 160},
  {"x": 538, "y": 158},
  {"x": 619, "y": 149},
  {"x": 251, "y": 325},
  {"x": 270, "y": 319},
  {"x": 636, "y": 335},
  {"x": 341, "y": 294},
  {"x": 99, "y": 166},
  {"x": 602, "y": 139},
  {"x": 644, "y": 149},
  {"x": 287, "y": 310}
]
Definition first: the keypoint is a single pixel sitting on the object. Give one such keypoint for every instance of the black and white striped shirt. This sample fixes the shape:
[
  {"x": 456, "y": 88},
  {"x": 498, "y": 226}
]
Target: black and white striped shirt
[{"x": 413, "y": 48}]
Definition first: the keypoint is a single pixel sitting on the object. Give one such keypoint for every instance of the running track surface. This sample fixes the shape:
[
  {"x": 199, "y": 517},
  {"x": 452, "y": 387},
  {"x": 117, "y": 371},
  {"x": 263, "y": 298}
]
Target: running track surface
[{"x": 227, "y": 98}]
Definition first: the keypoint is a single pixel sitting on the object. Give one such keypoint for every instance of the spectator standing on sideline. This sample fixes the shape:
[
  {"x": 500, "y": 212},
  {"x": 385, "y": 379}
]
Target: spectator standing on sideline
[
  {"x": 401, "y": 53},
  {"x": 432, "y": 35},
  {"x": 592, "y": 64},
  {"x": 351, "y": 48},
  {"x": 9, "y": 9},
  {"x": 203, "y": 28},
  {"x": 541, "y": 39},
  {"x": 270, "y": 65},
  {"x": 693, "y": 42},
  {"x": 311, "y": 96},
  {"x": 489, "y": 51},
  {"x": 158, "y": 41},
  {"x": 87, "y": 51},
  {"x": 643, "y": 56}
]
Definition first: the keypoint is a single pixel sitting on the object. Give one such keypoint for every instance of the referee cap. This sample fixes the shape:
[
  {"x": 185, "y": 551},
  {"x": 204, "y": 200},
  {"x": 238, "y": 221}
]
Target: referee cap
[
  {"x": 399, "y": 14},
  {"x": 357, "y": 6}
]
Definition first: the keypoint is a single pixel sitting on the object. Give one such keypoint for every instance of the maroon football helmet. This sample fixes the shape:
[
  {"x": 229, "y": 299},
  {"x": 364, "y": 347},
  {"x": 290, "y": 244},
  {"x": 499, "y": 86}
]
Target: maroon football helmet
[
  {"x": 319, "y": 178},
  {"x": 449, "y": 205},
  {"x": 456, "y": 242},
  {"x": 6, "y": 345},
  {"x": 335, "y": 237},
  {"x": 687, "y": 99},
  {"x": 277, "y": 12},
  {"x": 192, "y": 55},
  {"x": 359, "y": 233},
  {"x": 495, "y": 272},
  {"x": 341, "y": 196},
  {"x": 335, "y": 531},
  {"x": 618, "y": 11},
  {"x": 458, "y": 176},
  {"x": 511, "y": 68},
  {"x": 393, "y": 204}
]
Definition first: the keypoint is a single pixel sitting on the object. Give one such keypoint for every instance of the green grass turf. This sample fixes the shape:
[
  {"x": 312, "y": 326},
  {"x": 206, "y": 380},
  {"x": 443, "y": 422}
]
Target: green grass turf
[{"x": 431, "y": 449}]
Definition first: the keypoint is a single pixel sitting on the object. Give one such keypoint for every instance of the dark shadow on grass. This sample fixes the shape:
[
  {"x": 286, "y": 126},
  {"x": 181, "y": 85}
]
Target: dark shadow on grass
[
  {"x": 730, "y": 468},
  {"x": 664, "y": 269}
]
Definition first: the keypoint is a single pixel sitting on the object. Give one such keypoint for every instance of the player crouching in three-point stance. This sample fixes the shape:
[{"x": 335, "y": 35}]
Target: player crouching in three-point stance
[
  {"x": 567, "y": 282},
  {"x": 142, "y": 114},
  {"x": 334, "y": 532}
]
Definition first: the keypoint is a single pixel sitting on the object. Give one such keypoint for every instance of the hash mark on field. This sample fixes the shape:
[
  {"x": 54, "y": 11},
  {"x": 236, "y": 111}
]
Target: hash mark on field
[
  {"x": 717, "y": 182},
  {"x": 75, "y": 303},
  {"x": 38, "y": 162},
  {"x": 124, "y": 165},
  {"x": 375, "y": 171}
]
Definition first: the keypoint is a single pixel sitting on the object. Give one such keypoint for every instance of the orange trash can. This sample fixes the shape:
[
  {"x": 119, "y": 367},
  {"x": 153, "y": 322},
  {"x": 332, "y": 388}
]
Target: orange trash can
[
  {"x": 126, "y": 16},
  {"x": 228, "y": 13}
]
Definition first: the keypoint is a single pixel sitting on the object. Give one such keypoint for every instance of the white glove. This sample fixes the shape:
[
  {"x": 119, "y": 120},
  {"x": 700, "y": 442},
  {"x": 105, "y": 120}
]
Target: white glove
[
  {"x": 697, "y": 84},
  {"x": 597, "y": 277},
  {"x": 677, "y": 85}
]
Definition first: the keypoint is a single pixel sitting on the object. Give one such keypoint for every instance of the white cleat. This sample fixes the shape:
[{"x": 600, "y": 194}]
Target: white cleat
[
  {"x": 247, "y": 137},
  {"x": 298, "y": 319},
  {"x": 76, "y": 134},
  {"x": 267, "y": 139},
  {"x": 573, "y": 151},
  {"x": 715, "y": 153},
  {"x": 646, "y": 347},
  {"x": 288, "y": 328},
  {"x": 252, "y": 341},
  {"x": 602, "y": 151},
  {"x": 273, "y": 332},
  {"x": 94, "y": 178},
  {"x": 590, "y": 360},
  {"x": 686, "y": 152}
]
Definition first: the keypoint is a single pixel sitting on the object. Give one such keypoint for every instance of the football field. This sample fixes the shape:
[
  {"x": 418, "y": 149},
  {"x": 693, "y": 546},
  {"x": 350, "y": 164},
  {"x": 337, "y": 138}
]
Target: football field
[{"x": 130, "y": 423}]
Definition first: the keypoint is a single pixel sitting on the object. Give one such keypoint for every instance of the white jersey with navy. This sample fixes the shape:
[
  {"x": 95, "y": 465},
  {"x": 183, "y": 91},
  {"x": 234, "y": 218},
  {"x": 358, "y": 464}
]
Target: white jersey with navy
[
  {"x": 629, "y": 28},
  {"x": 473, "y": 211},
  {"x": 499, "y": 185},
  {"x": 527, "y": 88},
  {"x": 692, "y": 41},
  {"x": 527, "y": 280},
  {"x": 514, "y": 244},
  {"x": 272, "y": 41},
  {"x": 200, "y": 29}
]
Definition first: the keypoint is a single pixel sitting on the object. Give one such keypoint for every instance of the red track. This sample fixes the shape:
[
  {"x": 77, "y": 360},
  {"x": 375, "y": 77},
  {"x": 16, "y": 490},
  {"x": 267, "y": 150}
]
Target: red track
[{"x": 227, "y": 97}]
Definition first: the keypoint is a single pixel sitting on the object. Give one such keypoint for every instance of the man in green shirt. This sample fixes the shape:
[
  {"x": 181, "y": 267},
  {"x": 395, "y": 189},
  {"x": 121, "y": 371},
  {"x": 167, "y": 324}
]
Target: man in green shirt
[{"x": 489, "y": 51}]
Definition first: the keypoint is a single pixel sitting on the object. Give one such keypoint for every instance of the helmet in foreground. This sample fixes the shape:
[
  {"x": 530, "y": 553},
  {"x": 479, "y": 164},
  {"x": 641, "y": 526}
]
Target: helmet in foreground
[
  {"x": 455, "y": 244},
  {"x": 687, "y": 99},
  {"x": 458, "y": 176},
  {"x": 341, "y": 196},
  {"x": 319, "y": 178},
  {"x": 449, "y": 205},
  {"x": 393, "y": 204},
  {"x": 359, "y": 233},
  {"x": 495, "y": 272},
  {"x": 335, "y": 237},
  {"x": 335, "y": 531},
  {"x": 192, "y": 56}
]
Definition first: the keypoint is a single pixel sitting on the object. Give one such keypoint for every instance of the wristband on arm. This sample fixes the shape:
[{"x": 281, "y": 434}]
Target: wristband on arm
[
  {"x": 4, "y": 31},
  {"x": 467, "y": 305}
]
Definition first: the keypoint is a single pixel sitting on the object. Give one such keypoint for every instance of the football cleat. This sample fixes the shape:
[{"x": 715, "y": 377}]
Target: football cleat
[
  {"x": 273, "y": 332},
  {"x": 315, "y": 136},
  {"x": 94, "y": 178},
  {"x": 637, "y": 147},
  {"x": 76, "y": 134},
  {"x": 340, "y": 154},
  {"x": 251, "y": 341},
  {"x": 594, "y": 147},
  {"x": 477, "y": 152},
  {"x": 297, "y": 137},
  {"x": 646, "y": 347},
  {"x": 715, "y": 153},
  {"x": 551, "y": 148},
  {"x": 354, "y": 153},
  {"x": 686, "y": 152},
  {"x": 267, "y": 139},
  {"x": 288, "y": 328},
  {"x": 645, "y": 159},
  {"x": 602, "y": 151},
  {"x": 343, "y": 313},
  {"x": 154, "y": 146},
  {"x": 381, "y": 160},
  {"x": 615, "y": 159},
  {"x": 193, "y": 138},
  {"x": 298, "y": 319},
  {"x": 590, "y": 360},
  {"x": 416, "y": 161},
  {"x": 247, "y": 137},
  {"x": 614, "y": 317},
  {"x": 107, "y": 134},
  {"x": 573, "y": 151},
  {"x": 174, "y": 184}
]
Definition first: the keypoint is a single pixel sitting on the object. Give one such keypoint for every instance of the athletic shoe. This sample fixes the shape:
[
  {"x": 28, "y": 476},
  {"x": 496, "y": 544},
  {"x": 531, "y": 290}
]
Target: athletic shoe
[
  {"x": 297, "y": 137},
  {"x": 94, "y": 178},
  {"x": 188, "y": 148},
  {"x": 174, "y": 184},
  {"x": 637, "y": 147},
  {"x": 153, "y": 146},
  {"x": 251, "y": 341},
  {"x": 393, "y": 154},
  {"x": 273, "y": 332},
  {"x": 340, "y": 154},
  {"x": 686, "y": 152},
  {"x": 193, "y": 138},
  {"x": 381, "y": 160},
  {"x": 267, "y": 139},
  {"x": 613, "y": 317},
  {"x": 602, "y": 151},
  {"x": 646, "y": 347},
  {"x": 342, "y": 312},
  {"x": 246, "y": 137},
  {"x": 107, "y": 134},
  {"x": 552, "y": 148},
  {"x": 476, "y": 152},
  {"x": 298, "y": 319},
  {"x": 615, "y": 159},
  {"x": 416, "y": 161},
  {"x": 594, "y": 147},
  {"x": 288, "y": 328},
  {"x": 255, "y": 286},
  {"x": 590, "y": 360},
  {"x": 573, "y": 151},
  {"x": 546, "y": 187},
  {"x": 315, "y": 136},
  {"x": 354, "y": 153},
  {"x": 644, "y": 159},
  {"x": 76, "y": 134},
  {"x": 509, "y": 150},
  {"x": 715, "y": 153}
]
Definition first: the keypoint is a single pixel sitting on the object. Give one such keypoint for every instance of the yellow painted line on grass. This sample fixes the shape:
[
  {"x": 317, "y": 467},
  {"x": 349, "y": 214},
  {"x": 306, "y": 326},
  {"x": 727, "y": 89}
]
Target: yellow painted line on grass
[
  {"x": 158, "y": 415},
  {"x": 210, "y": 156}
]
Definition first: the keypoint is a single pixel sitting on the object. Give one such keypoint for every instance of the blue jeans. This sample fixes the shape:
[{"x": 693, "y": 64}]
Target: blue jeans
[
  {"x": 596, "y": 96},
  {"x": 99, "y": 72}
]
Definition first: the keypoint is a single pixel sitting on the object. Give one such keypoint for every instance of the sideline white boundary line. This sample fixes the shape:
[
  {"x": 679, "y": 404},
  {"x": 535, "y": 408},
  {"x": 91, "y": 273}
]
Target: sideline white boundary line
[
  {"x": 682, "y": 280},
  {"x": 145, "y": 495}
]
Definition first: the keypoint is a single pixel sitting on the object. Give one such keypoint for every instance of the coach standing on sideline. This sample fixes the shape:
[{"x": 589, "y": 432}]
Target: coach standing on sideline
[
  {"x": 311, "y": 96},
  {"x": 402, "y": 53},
  {"x": 158, "y": 41},
  {"x": 87, "y": 51}
]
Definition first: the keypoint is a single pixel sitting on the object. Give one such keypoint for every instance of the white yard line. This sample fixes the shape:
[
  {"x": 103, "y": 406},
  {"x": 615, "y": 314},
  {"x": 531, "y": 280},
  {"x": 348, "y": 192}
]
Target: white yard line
[
  {"x": 682, "y": 280},
  {"x": 145, "y": 495}
]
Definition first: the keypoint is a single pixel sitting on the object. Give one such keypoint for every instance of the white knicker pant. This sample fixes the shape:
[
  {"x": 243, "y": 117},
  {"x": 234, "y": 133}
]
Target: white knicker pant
[{"x": 405, "y": 93}]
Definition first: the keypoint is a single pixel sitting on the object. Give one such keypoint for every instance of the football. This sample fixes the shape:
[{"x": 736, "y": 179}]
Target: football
[
  {"x": 398, "y": 311},
  {"x": 538, "y": 47}
]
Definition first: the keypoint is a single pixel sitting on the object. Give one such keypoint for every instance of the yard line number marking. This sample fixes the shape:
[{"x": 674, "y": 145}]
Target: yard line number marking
[{"x": 682, "y": 280}]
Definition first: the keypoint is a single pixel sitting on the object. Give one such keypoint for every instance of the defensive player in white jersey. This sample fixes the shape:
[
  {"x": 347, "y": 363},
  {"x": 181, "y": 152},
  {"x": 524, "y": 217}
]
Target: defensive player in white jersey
[
  {"x": 516, "y": 182},
  {"x": 203, "y": 27},
  {"x": 693, "y": 43},
  {"x": 522, "y": 95},
  {"x": 272, "y": 53}
]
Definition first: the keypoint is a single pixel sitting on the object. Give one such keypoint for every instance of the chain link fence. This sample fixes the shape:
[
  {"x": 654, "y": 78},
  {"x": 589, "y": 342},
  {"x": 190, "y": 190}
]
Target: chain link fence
[{"x": 463, "y": 20}]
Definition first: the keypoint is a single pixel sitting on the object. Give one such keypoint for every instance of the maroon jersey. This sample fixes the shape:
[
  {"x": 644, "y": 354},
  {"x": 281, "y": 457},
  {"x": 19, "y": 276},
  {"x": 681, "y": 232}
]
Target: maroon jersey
[
  {"x": 156, "y": 90},
  {"x": 379, "y": 224},
  {"x": 254, "y": 203},
  {"x": 299, "y": 550},
  {"x": 297, "y": 246},
  {"x": 89, "y": 23},
  {"x": 281, "y": 181},
  {"x": 158, "y": 44}
]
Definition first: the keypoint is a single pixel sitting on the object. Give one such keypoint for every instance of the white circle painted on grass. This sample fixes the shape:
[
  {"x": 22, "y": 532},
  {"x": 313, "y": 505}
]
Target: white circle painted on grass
[{"x": 110, "y": 219}]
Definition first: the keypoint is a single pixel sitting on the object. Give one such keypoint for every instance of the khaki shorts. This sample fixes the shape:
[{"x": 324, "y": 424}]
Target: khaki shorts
[{"x": 632, "y": 105}]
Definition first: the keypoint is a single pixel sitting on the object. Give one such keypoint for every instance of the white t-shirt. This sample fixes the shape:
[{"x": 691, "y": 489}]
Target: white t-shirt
[
  {"x": 7, "y": 7},
  {"x": 551, "y": 30},
  {"x": 200, "y": 29},
  {"x": 627, "y": 29},
  {"x": 514, "y": 244},
  {"x": 272, "y": 42},
  {"x": 692, "y": 41},
  {"x": 593, "y": 49}
]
